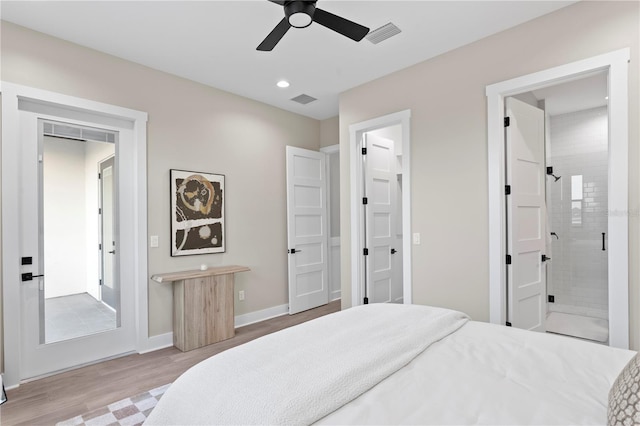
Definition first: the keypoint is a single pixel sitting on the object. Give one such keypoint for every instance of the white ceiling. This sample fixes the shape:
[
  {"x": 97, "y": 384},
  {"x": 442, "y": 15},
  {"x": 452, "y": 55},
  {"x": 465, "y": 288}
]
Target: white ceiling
[
  {"x": 577, "y": 95},
  {"x": 214, "y": 42}
]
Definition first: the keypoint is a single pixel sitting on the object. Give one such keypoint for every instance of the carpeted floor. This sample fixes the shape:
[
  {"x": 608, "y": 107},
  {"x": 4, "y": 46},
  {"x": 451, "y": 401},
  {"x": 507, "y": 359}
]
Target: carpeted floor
[{"x": 127, "y": 412}]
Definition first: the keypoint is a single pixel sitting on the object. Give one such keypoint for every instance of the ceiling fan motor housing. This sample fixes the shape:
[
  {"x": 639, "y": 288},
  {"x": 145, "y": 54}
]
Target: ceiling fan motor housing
[{"x": 299, "y": 13}]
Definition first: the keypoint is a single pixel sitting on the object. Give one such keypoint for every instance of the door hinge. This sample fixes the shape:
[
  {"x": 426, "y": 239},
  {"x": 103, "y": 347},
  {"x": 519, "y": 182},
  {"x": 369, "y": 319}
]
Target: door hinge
[
  {"x": 507, "y": 190},
  {"x": 551, "y": 298},
  {"x": 508, "y": 324},
  {"x": 508, "y": 259},
  {"x": 100, "y": 281},
  {"x": 99, "y": 211},
  {"x": 507, "y": 122},
  {"x": 365, "y": 200},
  {"x": 364, "y": 150},
  {"x": 365, "y": 252},
  {"x": 366, "y": 300},
  {"x": 99, "y": 175}
]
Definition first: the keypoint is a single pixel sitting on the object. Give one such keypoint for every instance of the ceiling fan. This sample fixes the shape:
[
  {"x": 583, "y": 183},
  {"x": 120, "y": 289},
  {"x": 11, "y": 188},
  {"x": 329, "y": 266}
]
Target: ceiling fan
[{"x": 300, "y": 14}]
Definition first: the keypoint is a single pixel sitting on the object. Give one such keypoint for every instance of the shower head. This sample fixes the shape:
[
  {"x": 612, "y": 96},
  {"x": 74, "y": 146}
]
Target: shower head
[{"x": 550, "y": 173}]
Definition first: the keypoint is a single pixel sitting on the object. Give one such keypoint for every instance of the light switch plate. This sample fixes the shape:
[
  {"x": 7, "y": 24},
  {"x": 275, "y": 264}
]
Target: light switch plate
[
  {"x": 416, "y": 238},
  {"x": 153, "y": 241}
]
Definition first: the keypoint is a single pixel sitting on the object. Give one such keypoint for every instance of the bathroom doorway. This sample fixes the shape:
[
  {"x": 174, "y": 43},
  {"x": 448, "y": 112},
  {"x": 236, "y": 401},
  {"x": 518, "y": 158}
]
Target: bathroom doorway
[
  {"x": 577, "y": 158},
  {"x": 615, "y": 66}
]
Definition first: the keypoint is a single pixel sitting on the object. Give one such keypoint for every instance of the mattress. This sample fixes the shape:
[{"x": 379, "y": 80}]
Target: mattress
[{"x": 398, "y": 364}]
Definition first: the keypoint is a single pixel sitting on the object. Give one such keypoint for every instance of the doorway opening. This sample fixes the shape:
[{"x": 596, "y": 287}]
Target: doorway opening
[
  {"x": 615, "y": 66},
  {"x": 380, "y": 210},
  {"x": 333, "y": 207},
  {"x": 78, "y": 211},
  {"x": 575, "y": 171}
]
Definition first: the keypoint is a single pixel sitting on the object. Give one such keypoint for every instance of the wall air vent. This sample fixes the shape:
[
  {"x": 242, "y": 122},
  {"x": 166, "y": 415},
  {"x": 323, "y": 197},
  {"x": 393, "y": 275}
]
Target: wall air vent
[
  {"x": 384, "y": 32},
  {"x": 303, "y": 99},
  {"x": 79, "y": 133}
]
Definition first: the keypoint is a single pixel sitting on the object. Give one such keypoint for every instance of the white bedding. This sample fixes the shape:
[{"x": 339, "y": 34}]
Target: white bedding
[
  {"x": 490, "y": 374},
  {"x": 476, "y": 373},
  {"x": 303, "y": 373}
]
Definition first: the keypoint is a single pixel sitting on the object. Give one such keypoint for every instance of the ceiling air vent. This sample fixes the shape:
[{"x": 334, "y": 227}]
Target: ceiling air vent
[
  {"x": 384, "y": 32},
  {"x": 81, "y": 133},
  {"x": 303, "y": 99}
]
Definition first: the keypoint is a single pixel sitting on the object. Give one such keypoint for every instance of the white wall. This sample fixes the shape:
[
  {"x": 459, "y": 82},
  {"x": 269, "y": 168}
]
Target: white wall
[
  {"x": 64, "y": 217},
  {"x": 71, "y": 221},
  {"x": 578, "y": 267}
]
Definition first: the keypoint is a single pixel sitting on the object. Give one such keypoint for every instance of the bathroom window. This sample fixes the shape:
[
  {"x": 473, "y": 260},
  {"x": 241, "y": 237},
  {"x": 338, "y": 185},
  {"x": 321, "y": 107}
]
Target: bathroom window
[{"x": 576, "y": 200}]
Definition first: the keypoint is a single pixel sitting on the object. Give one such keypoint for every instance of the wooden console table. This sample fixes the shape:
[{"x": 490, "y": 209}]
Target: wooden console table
[{"x": 202, "y": 305}]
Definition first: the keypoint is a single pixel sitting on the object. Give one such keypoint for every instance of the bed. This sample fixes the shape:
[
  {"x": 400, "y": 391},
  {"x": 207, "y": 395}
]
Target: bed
[{"x": 402, "y": 364}]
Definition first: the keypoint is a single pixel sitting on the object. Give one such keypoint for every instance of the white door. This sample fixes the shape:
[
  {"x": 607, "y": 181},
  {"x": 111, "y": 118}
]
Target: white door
[
  {"x": 307, "y": 231},
  {"x": 42, "y": 353},
  {"x": 109, "y": 285},
  {"x": 526, "y": 217},
  {"x": 380, "y": 233}
]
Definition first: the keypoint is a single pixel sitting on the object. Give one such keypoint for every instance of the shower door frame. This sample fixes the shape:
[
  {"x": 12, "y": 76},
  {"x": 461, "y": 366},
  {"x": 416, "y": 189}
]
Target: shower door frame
[{"x": 616, "y": 64}]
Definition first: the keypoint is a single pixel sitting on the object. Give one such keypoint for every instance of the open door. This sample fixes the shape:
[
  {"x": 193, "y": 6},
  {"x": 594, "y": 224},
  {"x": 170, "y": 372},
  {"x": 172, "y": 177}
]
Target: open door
[
  {"x": 109, "y": 288},
  {"x": 380, "y": 233},
  {"x": 307, "y": 229},
  {"x": 526, "y": 217}
]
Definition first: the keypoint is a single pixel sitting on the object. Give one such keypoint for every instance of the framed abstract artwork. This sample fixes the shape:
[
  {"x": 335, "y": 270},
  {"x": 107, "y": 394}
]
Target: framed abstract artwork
[{"x": 197, "y": 213}]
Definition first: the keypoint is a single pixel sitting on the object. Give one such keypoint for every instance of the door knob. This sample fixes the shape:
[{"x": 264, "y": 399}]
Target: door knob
[
  {"x": 393, "y": 251},
  {"x": 29, "y": 276},
  {"x": 112, "y": 252}
]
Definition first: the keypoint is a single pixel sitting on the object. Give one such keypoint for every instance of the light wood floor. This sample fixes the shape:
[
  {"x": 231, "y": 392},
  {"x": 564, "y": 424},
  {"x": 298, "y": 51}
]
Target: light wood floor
[{"x": 66, "y": 395}]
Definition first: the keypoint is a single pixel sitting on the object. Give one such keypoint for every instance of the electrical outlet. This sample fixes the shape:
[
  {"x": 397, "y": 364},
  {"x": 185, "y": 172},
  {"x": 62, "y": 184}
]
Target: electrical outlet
[
  {"x": 241, "y": 295},
  {"x": 416, "y": 238}
]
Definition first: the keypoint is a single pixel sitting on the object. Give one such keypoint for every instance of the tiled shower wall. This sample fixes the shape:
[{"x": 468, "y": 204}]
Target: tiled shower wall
[{"x": 577, "y": 272}]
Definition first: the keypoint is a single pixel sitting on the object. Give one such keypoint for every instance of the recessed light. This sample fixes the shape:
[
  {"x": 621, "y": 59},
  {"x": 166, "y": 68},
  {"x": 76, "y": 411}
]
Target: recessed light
[{"x": 283, "y": 84}]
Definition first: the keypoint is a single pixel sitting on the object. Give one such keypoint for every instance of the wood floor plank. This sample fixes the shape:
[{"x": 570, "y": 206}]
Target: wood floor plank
[{"x": 69, "y": 394}]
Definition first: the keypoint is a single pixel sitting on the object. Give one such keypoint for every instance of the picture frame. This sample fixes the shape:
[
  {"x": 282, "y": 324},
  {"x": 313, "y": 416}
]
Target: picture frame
[{"x": 197, "y": 213}]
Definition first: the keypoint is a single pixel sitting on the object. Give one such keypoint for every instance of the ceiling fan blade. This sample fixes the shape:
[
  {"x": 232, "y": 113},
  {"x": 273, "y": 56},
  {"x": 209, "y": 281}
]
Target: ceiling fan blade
[
  {"x": 274, "y": 36},
  {"x": 280, "y": 2},
  {"x": 341, "y": 25}
]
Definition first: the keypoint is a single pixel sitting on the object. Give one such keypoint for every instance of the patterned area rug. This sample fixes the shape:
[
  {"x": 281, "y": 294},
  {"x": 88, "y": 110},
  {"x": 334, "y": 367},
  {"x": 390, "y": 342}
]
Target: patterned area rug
[{"x": 127, "y": 412}]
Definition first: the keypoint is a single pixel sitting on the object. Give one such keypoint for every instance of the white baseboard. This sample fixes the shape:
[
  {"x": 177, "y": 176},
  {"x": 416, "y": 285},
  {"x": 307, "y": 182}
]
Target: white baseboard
[
  {"x": 165, "y": 340},
  {"x": 157, "y": 342},
  {"x": 257, "y": 316}
]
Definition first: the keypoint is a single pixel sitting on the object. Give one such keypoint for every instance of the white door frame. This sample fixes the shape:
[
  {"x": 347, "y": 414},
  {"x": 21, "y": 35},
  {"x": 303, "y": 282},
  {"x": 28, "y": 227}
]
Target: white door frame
[
  {"x": 137, "y": 226},
  {"x": 356, "y": 131},
  {"x": 616, "y": 63}
]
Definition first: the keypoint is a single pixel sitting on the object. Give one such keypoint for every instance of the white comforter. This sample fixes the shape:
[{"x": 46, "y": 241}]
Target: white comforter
[
  {"x": 303, "y": 373},
  {"x": 398, "y": 364},
  {"x": 494, "y": 375}
]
